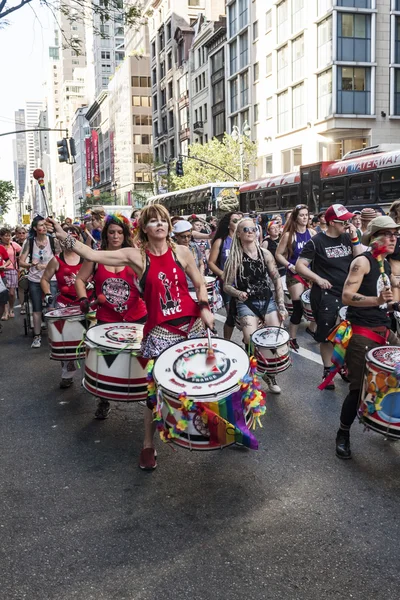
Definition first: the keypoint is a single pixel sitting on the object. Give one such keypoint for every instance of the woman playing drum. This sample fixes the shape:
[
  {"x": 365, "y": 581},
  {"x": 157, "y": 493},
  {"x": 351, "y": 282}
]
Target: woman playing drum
[
  {"x": 246, "y": 278},
  {"x": 172, "y": 314},
  {"x": 296, "y": 234},
  {"x": 116, "y": 285}
]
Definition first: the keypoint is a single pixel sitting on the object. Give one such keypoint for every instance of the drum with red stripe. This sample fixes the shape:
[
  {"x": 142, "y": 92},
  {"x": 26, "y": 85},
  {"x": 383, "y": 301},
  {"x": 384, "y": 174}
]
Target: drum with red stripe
[
  {"x": 380, "y": 399},
  {"x": 114, "y": 368},
  {"x": 306, "y": 302},
  {"x": 183, "y": 368},
  {"x": 66, "y": 328},
  {"x": 272, "y": 350}
]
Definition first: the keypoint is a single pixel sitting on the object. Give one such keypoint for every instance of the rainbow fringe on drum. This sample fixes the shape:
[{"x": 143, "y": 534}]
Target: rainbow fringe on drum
[{"x": 340, "y": 337}]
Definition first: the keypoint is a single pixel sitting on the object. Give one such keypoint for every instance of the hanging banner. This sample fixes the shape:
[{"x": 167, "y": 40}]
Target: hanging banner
[
  {"x": 95, "y": 150},
  {"x": 88, "y": 150}
]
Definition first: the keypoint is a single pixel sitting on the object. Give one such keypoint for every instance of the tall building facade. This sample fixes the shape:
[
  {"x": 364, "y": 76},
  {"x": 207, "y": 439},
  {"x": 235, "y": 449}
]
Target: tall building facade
[
  {"x": 32, "y": 113},
  {"x": 81, "y": 169},
  {"x": 20, "y": 158},
  {"x": 314, "y": 79}
]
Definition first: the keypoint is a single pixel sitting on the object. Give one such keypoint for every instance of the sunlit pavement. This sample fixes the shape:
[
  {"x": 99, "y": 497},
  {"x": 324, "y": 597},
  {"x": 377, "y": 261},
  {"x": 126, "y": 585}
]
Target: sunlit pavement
[{"x": 289, "y": 521}]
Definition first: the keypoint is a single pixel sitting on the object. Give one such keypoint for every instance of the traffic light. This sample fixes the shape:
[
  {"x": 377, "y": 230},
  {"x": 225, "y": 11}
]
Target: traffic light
[
  {"x": 63, "y": 150},
  {"x": 179, "y": 167},
  {"x": 72, "y": 148}
]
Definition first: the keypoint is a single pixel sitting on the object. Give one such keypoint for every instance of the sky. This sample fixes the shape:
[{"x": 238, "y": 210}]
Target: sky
[{"x": 23, "y": 67}]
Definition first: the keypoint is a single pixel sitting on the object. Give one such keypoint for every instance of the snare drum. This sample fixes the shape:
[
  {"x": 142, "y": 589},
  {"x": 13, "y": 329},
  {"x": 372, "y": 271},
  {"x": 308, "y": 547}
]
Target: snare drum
[
  {"x": 66, "y": 328},
  {"x": 343, "y": 314},
  {"x": 114, "y": 368},
  {"x": 287, "y": 299},
  {"x": 271, "y": 350},
  {"x": 380, "y": 399},
  {"x": 182, "y": 368},
  {"x": 306, "y": 302}
]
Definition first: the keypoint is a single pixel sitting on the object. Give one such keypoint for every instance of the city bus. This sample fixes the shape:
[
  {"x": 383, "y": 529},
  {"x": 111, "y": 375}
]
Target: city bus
[
  {"x": 367, "y": 177},
  {"x": 202, "y": 200}
]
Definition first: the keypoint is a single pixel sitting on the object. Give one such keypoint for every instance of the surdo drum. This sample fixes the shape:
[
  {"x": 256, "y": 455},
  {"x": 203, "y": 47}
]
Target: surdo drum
[
  {"x": 182, "y": 368},
  {"x": 114, "y": 368},
  {"x": 380, "y": 399},
  {"x": 66, "y": 328},
  {"x": 306, "y": 302},
  {"x": 271, "y": 350}
]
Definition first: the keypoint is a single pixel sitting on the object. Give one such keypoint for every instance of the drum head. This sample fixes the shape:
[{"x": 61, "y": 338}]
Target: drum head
[
  {"x": 385, "y": 356},
  {"x": 209, "y": 280},
  {"x": 343, "y": 313},
  {"x": 64, "y": 313},
  {"x": 183, "y": 368},
  {"x": 270, "y": 337},
  {"x": 305, "y": 297},
  {"x": 116, "y": 336}
]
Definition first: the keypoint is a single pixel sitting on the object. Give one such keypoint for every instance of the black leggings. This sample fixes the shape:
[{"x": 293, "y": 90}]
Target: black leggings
[
  {"x": 295, "y": 319},
  {"x": 349, "y": 409}
]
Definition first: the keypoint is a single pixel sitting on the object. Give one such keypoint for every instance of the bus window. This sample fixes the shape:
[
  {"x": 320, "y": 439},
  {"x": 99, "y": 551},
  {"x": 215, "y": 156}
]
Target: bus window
[
  {"x": 268, "y": 200},
  {"x": 333, "y": 192},
  {"x": 290, "y": 196},
  {"x": 362, "y": 189},
  {"x": 389, "y": 186}
]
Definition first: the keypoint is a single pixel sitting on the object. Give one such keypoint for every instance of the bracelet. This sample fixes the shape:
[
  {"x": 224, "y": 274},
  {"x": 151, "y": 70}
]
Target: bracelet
[
  {"x": 355, "y": 242},
  {"x": 203, "y": 305},
  {"x": 69, "y": 242}
]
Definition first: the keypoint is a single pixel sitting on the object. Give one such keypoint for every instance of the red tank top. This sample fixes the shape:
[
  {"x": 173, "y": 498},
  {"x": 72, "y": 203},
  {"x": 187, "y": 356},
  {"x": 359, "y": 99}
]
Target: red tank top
[
  {"x": 123, "y": 302},
  {"x": 66, "y": 276},
  {"x": 166, "y": 291}
]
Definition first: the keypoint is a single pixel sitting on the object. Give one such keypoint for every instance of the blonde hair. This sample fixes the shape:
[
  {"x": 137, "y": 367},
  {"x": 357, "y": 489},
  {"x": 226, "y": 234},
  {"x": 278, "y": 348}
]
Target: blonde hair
[
  {"x": 154, "y": 211},
  {"x": 234, "y": 263}
]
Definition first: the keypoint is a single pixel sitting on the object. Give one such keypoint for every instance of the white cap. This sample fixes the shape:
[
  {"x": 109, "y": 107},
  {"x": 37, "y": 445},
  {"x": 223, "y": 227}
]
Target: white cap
[{"x": 181, "y": 227}]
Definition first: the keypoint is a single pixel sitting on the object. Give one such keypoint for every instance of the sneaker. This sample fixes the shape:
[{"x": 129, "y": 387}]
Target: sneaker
[
  {"x": 37, "y": 342},
  {"x": 273, "y": 387},
  {"x": 343, "y": 444},
  {"x": 103, "y": 410},
  {"x": 331, "y": 385},
  {"x": 143, "y": 403},
  {"x": 343, "y": 374},
  {"x": 66, "y": 383},
  {"x": 147, "y": 460},
  {"x": 293, "y": 344}
]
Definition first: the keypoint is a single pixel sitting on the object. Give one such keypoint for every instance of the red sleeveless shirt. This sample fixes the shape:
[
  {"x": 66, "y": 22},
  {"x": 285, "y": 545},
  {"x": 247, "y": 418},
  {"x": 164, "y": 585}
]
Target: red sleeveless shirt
[
  {"x": 66, "y": 276},
  {"x": 123, "y": 302},
  {"x": 165, "y": 291}
]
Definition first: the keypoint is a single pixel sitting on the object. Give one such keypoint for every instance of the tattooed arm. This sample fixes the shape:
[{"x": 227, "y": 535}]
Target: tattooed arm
[
  {"x": 395, "y": 278},
  {"x": 274, "y": 274},
  {"x": 358, "y": 268}
]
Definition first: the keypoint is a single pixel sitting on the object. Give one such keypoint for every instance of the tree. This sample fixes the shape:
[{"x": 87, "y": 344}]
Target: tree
[
  {"x": 224, "y": 154},
  {"x": 82, "y": 11},
  {"x": 6, "y": 195}
]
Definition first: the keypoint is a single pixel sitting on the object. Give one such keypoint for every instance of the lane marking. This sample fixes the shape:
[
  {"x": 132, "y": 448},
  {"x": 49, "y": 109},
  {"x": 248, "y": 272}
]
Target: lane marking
[{"x": 313, "y": 356}]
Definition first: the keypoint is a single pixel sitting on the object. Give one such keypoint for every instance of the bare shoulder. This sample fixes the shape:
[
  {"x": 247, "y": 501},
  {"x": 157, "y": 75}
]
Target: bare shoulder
[
  {"x": 183, "y": 253},
  {"x": 312, "y": 232},
  {"x": 267, "y": 253},
  {"x": 360, "y": 265}
]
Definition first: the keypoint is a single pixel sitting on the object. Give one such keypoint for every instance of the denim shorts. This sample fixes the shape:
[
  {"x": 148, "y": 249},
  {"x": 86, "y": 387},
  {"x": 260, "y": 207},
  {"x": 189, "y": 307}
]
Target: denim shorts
[
  {"x": 265, "y": 309},
  {"x": 36, "y": 294}
]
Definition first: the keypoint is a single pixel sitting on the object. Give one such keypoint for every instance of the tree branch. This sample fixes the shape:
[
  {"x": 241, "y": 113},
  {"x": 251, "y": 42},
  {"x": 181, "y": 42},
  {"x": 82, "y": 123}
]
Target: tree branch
[{"x": 12, "y": 9}]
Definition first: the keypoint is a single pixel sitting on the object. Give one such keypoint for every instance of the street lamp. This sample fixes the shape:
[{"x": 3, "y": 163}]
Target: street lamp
[
  {"x": 238, "y": 136},
  {"x": 80, "y": 205}
]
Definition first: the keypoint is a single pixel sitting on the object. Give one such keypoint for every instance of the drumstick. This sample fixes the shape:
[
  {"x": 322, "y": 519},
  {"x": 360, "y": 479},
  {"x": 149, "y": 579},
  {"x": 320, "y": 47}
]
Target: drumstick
[{"x": 210, "y": 359}]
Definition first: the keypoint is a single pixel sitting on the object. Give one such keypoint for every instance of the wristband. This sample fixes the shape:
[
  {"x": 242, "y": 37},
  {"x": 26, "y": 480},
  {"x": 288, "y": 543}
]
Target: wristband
[
  {"x": 203, "y": 305},
  {"x": 355, "y": 241}
]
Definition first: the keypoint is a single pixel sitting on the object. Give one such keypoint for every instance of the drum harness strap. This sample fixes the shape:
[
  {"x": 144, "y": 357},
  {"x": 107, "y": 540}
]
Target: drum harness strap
[{"x": 340, "y": 337}]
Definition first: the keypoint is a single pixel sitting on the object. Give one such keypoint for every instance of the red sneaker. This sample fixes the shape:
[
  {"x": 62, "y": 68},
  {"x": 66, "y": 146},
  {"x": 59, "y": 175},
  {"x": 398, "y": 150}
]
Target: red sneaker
[{"x": 147, "y": 460}]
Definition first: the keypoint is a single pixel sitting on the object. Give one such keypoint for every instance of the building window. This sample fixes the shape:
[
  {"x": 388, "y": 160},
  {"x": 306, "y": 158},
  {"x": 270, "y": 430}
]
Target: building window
[
  {"x": 269, "y": 108},
  {"x": 170, "y": 90},
  {"x": 218, "y": 92},
  {"x": 324, "y": 87},
  {"x": 232, "y": 19},
  {"x": 194, "y": 3},
  {"x": 234, "y": 95},
  {"x": 244, "y": 50},
  {"x": 106, "y": 68},
  {"x": 268, "y": 164},
  {"x": 169, "y": 31},
  {"x": 283, "y": 66},
  {"x": 355, "y": 3},
  {"x": 244, "y": 89},
  {"x": 298, "y": 58},
  {"x": 169, "y": 61},
  {"x": 324, "y": 34},
  {"x": 255, "y": 30},
  {"x": 282, "y": 21},
  {"x": 105, "y": 56},
  {"x": 297, "y": 15},
  {"x": 243, "y": 14},
  {"x": 354, "y": 90},
  {"x": 354, "y": 37},
  {"x": 153, "y": 50},
  {"x": 298, "y": 112},
  {"x": 268, "y": 65},
  {"x": 268, "y": 20},
  {"x": 283, "y": 112},
  {"x": 219, "y": 125},
  {"x": 154, "y": 76},
  {"x": 291, "y": 159},
  {"x": 256, "y": 72},
  {"x": 171, "y": 119},
  {"x": 256, "y": 112},
  {"x": 155, "y": 103},
  {"x": 142, "y": 157},
  {"x": 397, "y": 41},
  {"x": 233, "y": 57},
  {"x": 142, "y": 82},
  {"x": 163, "y": 98},
  {"x": 205, "y": 112},
  {"x": 217, "y": 61}
]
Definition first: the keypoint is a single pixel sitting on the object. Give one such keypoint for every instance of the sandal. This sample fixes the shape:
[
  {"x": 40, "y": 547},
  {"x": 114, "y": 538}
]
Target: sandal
[
  {"x": 22, "y": 311},
  {"x": 11, "y": 314},
  {"x": 4, "y": 318}
]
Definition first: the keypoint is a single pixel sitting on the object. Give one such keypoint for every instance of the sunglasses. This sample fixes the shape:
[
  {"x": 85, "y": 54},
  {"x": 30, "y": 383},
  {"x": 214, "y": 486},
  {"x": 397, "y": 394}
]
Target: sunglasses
[
  {"x": 300, "y": 206},
  {"x": 41, "y": 253},
  {"x": 249, "y": 229},
  {"x": 234, "y": 220},
  {"x": 345, "y": 223},
  {"x": 184, "y": 237}
]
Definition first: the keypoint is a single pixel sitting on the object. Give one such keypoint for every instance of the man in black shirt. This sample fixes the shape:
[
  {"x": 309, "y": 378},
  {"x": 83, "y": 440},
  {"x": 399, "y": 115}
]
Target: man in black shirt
[
  {"x": 325, "y": 261},
  {"x": 365, "y": 291}
]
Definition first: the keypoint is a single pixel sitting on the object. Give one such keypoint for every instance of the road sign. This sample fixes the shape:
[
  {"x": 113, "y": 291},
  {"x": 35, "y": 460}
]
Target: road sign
[{"x": 26, "y": 219}]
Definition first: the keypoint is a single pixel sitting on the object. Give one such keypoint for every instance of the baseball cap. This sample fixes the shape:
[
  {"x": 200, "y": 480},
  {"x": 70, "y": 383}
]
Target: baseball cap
[
  {"x": 376, "y": 225},
  {"x": 181, "y": 227},
  {"x": 337, "y": 212}
]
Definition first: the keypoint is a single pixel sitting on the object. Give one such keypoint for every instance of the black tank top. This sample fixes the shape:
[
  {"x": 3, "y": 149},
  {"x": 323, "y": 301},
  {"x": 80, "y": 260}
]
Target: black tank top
[
  {"x": 252, "y": 276},
  {"x": 371, "y": 316}
]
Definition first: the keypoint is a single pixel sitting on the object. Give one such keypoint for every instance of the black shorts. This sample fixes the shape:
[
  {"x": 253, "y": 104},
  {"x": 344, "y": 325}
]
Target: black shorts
[
  {"x": 3, "y": 297},
  {"x": 325, "y": 307}
]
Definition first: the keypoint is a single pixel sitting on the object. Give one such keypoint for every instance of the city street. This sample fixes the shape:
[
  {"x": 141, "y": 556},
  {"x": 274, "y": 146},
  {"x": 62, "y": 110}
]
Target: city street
[{"x": 289, "y": 521}]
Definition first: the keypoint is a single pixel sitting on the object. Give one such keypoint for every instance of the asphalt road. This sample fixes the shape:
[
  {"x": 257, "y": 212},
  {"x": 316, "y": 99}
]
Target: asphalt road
[{"x": 289, "y": 521}]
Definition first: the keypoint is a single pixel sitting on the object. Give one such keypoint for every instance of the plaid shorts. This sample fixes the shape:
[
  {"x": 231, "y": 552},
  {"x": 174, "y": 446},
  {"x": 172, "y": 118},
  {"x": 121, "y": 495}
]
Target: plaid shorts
[{"x": 11, "y": 278}]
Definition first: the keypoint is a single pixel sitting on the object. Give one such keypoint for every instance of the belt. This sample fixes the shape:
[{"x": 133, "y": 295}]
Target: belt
[{"x": 370, "y": 334}]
